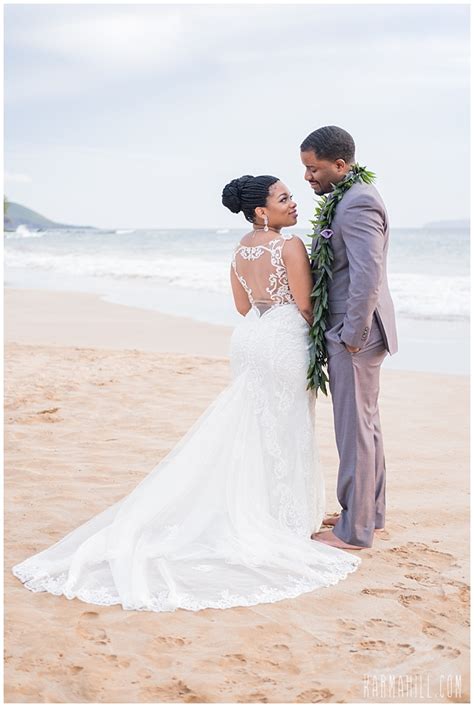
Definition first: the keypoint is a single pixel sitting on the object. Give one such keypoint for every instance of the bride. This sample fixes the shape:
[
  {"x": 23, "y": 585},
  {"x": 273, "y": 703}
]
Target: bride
[{"x": 226, "y": 518}]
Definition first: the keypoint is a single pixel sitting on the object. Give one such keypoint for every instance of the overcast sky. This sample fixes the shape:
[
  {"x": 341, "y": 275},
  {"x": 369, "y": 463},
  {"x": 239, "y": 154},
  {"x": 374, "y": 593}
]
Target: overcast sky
[{"x": 137, "y": 115}]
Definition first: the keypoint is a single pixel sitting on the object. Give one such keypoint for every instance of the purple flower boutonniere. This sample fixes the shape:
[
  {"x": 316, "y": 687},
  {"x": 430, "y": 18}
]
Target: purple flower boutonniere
[{"x": 326, "y": 233}]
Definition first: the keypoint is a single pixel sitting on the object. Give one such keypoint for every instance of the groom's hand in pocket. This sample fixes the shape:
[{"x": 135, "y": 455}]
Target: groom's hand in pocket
[{"x": 352, "y": 349}]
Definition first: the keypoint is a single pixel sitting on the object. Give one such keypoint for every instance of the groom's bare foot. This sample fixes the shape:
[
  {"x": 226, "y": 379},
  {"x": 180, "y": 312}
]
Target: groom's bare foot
[
  {"x": 328, "y": 538},
  {"x": 330, "y": 521}
]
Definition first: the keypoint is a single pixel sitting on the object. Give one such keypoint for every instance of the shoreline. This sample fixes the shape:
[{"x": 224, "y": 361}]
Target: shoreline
[
  {"x": 63, "y": 318},
  {"x": 58, "y": 318}
]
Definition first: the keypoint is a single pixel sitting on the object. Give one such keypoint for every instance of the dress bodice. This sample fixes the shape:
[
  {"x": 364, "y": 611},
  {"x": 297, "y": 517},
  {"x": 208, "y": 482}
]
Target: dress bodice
[{"x": 262, "y": 273}]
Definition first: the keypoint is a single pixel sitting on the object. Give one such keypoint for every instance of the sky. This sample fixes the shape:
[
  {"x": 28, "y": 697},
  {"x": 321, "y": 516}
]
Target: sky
[{"x": 136, "y": 116}]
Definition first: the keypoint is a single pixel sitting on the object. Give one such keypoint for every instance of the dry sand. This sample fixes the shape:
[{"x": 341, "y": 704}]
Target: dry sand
[{"x": 92, "y": 404}]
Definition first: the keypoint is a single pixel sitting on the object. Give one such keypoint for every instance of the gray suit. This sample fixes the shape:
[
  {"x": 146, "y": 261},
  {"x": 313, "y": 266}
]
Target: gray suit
[{"x": 361, "y": 314}]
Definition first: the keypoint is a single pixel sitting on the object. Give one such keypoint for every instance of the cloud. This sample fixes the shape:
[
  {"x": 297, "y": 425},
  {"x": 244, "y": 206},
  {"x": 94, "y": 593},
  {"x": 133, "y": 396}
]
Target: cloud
[
  {"x": 130, "y": 39},
  {"x": 81, "y": 50},
  {"x": 134, "y": 104},
  {"x": 17, "y": 178}
]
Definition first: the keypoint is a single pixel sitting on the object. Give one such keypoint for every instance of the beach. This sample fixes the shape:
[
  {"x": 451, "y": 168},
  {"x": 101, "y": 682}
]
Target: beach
[{"x": 96, "y": 394}]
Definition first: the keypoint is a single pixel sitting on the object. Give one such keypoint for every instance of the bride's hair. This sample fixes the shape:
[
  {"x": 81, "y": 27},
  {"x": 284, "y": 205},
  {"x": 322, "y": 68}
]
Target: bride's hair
[{"x": 246, "y": 193}]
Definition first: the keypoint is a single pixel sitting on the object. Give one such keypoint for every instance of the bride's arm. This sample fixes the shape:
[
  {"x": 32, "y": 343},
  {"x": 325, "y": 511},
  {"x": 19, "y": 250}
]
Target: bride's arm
[
  {"x": 300, "y": 280},
  {"x": 241, "y": 299}
]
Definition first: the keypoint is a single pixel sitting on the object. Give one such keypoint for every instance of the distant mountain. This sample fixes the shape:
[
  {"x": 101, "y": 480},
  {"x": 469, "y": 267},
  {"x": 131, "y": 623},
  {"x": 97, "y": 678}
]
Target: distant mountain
[
  {"x": 18, "y": 215},
  {"x": 461, "y": 223}
]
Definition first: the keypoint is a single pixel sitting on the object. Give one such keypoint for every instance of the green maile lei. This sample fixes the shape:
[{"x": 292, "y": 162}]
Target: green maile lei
[{"x": 321, "y": 261}]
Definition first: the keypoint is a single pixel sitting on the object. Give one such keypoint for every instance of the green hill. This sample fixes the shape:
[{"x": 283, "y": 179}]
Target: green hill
[{"x": 18, "y": 215}]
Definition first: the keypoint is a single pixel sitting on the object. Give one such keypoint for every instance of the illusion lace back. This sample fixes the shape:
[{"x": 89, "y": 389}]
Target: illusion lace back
[
  {"x": 225, "y": 518},
  {"x": 262, "y": 273}
]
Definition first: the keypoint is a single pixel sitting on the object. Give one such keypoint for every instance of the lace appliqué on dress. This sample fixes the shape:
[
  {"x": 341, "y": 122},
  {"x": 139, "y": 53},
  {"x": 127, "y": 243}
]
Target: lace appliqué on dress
[
  {"x": 165, "y": 601},
  {"x": 278, "y": 288}
]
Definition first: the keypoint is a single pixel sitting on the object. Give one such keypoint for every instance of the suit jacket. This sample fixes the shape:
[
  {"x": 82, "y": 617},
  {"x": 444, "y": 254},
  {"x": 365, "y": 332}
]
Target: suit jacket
[{"x": 359, "y": 288}]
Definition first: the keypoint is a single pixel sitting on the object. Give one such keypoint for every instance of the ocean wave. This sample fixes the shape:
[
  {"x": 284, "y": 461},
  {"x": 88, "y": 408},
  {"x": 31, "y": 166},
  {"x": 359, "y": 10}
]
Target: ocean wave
[
  {"x": 424, "y": 296},
  {"x": 415, "y": 295},
  {"x": 23, "y": 232},
  {"x": 180, "y": 272}
]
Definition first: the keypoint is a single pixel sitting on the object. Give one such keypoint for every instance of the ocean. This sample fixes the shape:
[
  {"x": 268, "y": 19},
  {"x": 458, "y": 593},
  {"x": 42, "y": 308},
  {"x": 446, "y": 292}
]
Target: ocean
[{"x": 186, "y": 272}]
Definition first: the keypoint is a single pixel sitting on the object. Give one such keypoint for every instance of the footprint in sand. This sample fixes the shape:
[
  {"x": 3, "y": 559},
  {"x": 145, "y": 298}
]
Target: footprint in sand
[
  {"x": 89, "y": 615},
  {"x": 176, "y": 691},
  {"x": 90, "y": 632},
  {"x": 75, "y": 669},
  {"x": 371, "y": 645},
  {"x": 236, "y": 658},
  {"x": 383, "y": 622},
  {"x": 383, "y": 535},
  {"x": 171, "y": 641},
  {"x": 447, "y": 651},
  {"x": 461, "y": 590},
  {"x": 314, "y": 695},
  {"x": 382, "y": 593},
  {"x": 144, "y": 673},
  {"x": 424, "y": 579},
  {"x": 38, "y": 418},
  {"x": 257, "y": 697},
  {"x": 437, "y": 560},
  {"x": 405, "y": 648},
  {"x": 399, "y": 649},
  {"x": 277, "y": 655},
  {"x": 385, "y": 653},
  {"x": 281, "y": 647},
  {"x": 408, "y": 599},
  {"x": 432, "y": 630},
  {"x": 114, "y": 660}
]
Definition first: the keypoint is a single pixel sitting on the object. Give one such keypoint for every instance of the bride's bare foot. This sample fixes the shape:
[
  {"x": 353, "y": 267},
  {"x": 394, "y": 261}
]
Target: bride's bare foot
[
  {"x": 328, "y": 538},
  {"x": 330, "y": 521}
]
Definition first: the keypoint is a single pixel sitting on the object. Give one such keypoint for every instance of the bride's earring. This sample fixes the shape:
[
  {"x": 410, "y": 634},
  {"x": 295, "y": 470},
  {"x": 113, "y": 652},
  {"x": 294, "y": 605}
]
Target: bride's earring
[{"x": 265, "y": 221}]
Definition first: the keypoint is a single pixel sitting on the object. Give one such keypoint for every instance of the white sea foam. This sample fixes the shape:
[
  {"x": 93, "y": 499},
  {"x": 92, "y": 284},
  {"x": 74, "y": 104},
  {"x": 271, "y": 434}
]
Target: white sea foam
[
  {"x": 180, "y": 272},
  {"x": 430, "y": 297},
  {"x": 426, "y": 282},
  {"x": 23, "y": 231}
]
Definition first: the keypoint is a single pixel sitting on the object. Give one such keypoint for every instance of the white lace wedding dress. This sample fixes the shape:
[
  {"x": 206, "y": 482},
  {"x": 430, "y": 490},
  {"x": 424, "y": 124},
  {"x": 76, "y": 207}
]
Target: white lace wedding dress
[{"x": 225, "y": 518}]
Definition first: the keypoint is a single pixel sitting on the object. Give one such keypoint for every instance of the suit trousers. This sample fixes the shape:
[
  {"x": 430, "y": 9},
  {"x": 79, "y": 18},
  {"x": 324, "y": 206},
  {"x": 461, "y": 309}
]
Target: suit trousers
[{"x": 354, "y": 382}]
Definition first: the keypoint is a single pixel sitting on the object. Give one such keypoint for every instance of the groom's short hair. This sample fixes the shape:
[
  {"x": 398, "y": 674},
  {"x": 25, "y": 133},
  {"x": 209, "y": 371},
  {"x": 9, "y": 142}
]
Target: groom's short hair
[{"x": 330, "y": 143}]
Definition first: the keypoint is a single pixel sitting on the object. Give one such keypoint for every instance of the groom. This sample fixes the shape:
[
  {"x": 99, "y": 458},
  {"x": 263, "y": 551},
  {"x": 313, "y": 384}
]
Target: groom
[{"x": 360, "y": 331}]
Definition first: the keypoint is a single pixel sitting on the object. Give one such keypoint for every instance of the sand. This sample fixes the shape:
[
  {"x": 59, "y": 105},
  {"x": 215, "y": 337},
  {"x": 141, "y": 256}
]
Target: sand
[{"x": 96, "y": 394}]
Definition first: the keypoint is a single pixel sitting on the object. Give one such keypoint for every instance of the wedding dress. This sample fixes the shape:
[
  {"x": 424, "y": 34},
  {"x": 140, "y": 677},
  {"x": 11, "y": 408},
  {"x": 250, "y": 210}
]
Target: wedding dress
[{"x": 225, "y": 518}]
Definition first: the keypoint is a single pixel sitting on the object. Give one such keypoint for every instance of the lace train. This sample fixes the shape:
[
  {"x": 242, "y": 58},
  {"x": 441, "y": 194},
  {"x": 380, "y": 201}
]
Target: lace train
[{"x": 225, "y": 518}]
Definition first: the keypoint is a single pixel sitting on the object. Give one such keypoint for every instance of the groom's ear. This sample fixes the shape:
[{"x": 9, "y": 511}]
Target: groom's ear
[{"x": 341, "y": 165}]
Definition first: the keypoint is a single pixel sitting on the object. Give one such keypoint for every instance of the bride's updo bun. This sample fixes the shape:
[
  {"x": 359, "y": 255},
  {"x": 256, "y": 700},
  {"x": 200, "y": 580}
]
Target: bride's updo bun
[
  {"x": 246, "y": 193},
  {"x": 232, "y": 194}
]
